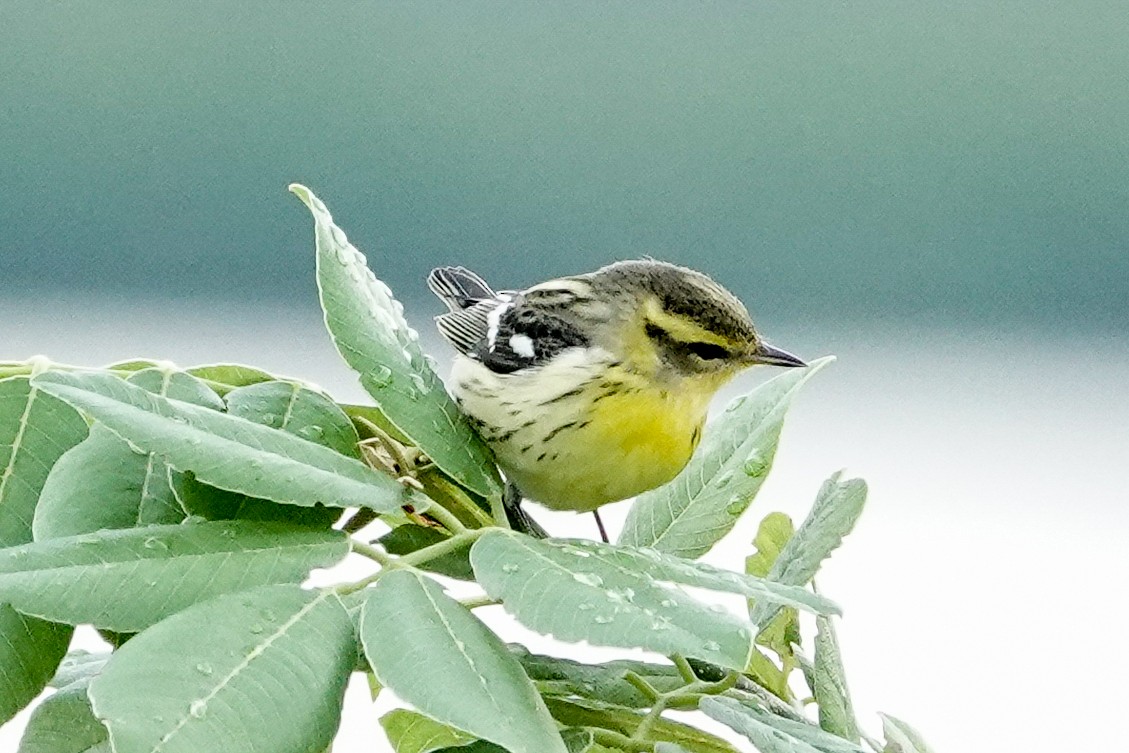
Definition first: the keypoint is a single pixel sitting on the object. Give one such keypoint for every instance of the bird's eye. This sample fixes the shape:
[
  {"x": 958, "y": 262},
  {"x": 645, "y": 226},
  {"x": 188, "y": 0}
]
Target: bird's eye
[{"x": 707, "y": 351}]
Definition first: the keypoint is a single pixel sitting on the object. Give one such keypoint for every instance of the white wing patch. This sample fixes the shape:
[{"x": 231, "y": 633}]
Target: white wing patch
[
  {"x": 522, "y": 345},
  {"x": 494, "y": 319}
]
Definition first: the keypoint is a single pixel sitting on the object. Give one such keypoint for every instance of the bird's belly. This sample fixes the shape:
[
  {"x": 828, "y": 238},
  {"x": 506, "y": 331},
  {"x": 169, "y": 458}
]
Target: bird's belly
[
  {"x": 631, "y": 445},
  {"x": 600, "y": 441}
]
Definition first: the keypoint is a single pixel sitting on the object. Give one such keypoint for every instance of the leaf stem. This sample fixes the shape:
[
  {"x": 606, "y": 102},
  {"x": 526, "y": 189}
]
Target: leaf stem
[
  {"x": 684, "y": 668},
  {"x": 444, "y": 516},
  {"x": 474, "y": 602},
  {"x": 435, "y": 551},
  {"x": 615, "y": 740},
  {"x": 370, "y": 551},
  {"x": 642, "y": 686}
]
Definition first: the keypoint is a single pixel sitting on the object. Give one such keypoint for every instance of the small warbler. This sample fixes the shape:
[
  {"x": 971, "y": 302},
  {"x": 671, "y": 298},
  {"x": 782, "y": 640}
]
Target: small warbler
[{"x": 594, "y": 388}]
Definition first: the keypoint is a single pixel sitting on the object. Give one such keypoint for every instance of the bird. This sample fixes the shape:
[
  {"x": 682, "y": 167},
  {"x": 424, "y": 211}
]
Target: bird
[{"x": 593, "y": 388}]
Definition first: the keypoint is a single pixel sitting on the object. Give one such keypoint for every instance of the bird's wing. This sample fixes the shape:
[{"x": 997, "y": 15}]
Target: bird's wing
[
  {"x": 458, "y": 287},
  {"x": 505, "y": 333}
]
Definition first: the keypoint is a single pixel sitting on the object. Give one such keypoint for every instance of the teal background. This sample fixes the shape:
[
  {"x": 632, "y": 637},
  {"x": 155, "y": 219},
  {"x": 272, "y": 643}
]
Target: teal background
[{"x": 955, "y": 162}]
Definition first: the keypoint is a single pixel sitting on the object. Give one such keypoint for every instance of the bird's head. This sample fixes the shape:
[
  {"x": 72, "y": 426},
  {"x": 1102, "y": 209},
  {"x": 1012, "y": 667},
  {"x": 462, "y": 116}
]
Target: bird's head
[{"x": 681, "y": 325}]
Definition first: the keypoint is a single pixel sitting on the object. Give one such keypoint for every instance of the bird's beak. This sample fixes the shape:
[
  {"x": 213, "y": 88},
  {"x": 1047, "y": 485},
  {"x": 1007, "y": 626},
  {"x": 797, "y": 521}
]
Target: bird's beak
[{"x": 770, "y": 356}]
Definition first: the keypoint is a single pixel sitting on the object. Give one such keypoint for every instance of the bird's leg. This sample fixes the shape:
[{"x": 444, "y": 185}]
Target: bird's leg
[
  {"x": 518, "y": 517},
  {"x": 600, "y": 525}
]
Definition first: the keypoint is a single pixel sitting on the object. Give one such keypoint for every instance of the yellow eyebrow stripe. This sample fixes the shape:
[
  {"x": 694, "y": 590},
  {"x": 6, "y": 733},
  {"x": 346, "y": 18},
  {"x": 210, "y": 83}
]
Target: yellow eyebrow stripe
[{"x": 680, "y": 328}]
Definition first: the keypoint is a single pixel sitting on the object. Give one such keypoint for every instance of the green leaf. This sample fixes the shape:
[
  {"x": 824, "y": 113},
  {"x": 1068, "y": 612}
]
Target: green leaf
[
  {"x": 229, "y": 452},
  {"x": 585, "y": 713},
  {"x": 783, "y": 631},
  {"x": 30, "y": 650},
  {"x": 591, "y": 594},
  {"x": 35, "y": 429},
  {"x": 133, "y": 364},
  {"x": 601, "y": 682},
  {"x": 65, "y": 723},
  {"x": 773, "y": 734},
  {"x": 103, "y": 483},
  {"x": 177, "y": 385},
  {"x": 298, "y": 410},
  {"x": 126, "y": 580},
  {"x": 224, "y": 377},
  {"x": 836, "y": 713},
  {"x": 482, "y": 689},
  {"x": 901, "y": 737},
  {"x": 78, "y": 665},
  {"x": 409, "y": 732},
  {"x": 773, "y": 533},
  {"x": 837, "y": 507},
  {"x": 210, "y": 503},
  {"x": 694, "y": 511},
  {"x": 260, "y": 671},
  {"x": 368, "y": 328}
]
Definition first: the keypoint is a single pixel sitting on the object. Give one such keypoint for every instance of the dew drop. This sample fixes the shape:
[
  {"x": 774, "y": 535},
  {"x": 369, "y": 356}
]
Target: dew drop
[
  {"x": 155, "y": 544},
  {"x": 269, "y": 615},
  {"x": 418, "y": 382},
  {"x": 269, "y": 419},
  {"x": 585, "y": 607},
  {"x": 198, "y": 708},
  {"x": 339, "y": 236},
  {"x": 509, "y": 567},
  {"x": 204, "y": 668},
  {"x": 735, "y": 404},
  {"x": 736, "y": 507},
  {"x": 588, "y": 579},
  {"x": 255, "y": 629},
  {"x": 744, "y": 634},
  {"x": 602, "y": 619},
  {"x": 717, "y": 609},
  {"x": 712, "y": 646},
  {"x": 312, "y": 432},
  {"x": 668, "y": 603},
  {"x": 755, "y": 467},
  {"x": 381, "y": 376}
]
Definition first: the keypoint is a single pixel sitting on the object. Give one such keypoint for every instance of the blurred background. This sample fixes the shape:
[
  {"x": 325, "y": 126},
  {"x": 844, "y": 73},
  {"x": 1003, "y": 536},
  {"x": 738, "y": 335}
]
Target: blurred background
[{"x": 935, "y": 192}]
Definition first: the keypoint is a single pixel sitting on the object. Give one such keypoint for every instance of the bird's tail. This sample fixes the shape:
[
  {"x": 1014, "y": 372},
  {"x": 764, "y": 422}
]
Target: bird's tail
[{"x": 458, "y": 287}]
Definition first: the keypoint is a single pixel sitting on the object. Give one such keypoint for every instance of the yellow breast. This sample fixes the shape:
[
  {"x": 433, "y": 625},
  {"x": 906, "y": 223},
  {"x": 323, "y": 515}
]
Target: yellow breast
[{"x": 630, "y": 441}]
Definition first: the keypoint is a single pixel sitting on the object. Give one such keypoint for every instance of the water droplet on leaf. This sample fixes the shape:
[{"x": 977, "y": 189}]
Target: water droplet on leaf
[
  {"x": 588, "y": 579},
  {"x": 204, "y": 668},
  {"x": 155, "y": 544},
  {"x": 198, "y": 708},
  {"x": 509, "y": 567},
  {"x": 380, "y": 377}
]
